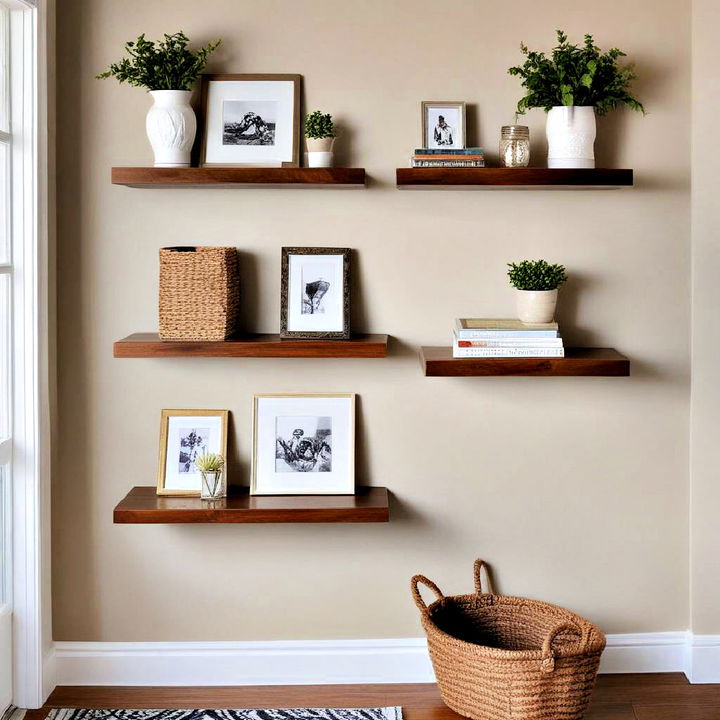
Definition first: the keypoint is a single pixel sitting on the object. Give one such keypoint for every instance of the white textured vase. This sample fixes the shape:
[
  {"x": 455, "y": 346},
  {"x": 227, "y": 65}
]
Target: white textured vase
[
  {"x": 171, "y": 127},
  {"x": 571, "y": 137},
  {"x": 319, "y": 152},
  {"x": 536, "y": 306}
]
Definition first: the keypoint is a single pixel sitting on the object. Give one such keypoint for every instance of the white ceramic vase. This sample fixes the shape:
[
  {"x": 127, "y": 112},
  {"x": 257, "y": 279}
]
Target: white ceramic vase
[
  {"x": 536, "y": 306},
  {"x": 319, "y": 152},
  {"x": 571, "y": 137},
  {"x": 171, "y": 127}
]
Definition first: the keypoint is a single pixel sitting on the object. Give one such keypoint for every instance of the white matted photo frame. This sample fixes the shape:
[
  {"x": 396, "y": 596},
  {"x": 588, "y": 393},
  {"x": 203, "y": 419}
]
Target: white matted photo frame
[
  {"x": 184, "y": 435},
  {"x": 250, "y": 120},
  {"x": 303, "y": 444},
  {"x": 443, "y": 124},
  {"x": 315, "y": 293}
]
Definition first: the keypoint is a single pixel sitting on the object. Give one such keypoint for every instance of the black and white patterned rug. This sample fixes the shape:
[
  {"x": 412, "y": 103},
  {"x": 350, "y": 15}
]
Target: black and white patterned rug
[{"x": 380, "y": 713}]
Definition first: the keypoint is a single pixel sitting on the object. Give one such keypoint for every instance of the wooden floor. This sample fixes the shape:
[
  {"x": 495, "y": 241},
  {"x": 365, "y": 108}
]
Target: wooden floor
[{"x": 666, "y": 696}]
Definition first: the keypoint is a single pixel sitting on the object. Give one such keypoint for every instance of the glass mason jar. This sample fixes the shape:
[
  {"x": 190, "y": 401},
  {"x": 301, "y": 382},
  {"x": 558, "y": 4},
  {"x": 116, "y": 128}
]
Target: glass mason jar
[
  {"x": 213, "y": 485},
  {"x": 515, "y": 146}
]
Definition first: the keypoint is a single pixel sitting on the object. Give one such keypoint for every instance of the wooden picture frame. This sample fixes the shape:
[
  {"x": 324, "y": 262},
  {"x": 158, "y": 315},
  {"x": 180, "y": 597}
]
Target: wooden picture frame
[
  {"x": 171, "y": 443},
  {"x": 458, "y": 108},
  {"x": 205, "y": 125},
  {"x": 297, "y": 308}
]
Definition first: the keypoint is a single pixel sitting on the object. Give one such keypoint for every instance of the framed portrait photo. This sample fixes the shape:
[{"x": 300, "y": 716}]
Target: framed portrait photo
[
  {"x": 303, "y": 445},
  {"x": 184, "y": 435},
  {"x": 315, "y": 293},
  {"x": 443, "y": 125},
  {"x": 251, "y": 120}
]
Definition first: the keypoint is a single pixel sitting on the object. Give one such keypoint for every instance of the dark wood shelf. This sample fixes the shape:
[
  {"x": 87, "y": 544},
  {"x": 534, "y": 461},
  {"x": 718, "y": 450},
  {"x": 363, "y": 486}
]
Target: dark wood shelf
[
  {"x": 439, "y": 362},
  {"x": 238, "y": 177},
  {"x": 149, "y": 345},
  {"x": 143, "y": 505},
  {"x": 514, "y": 178}
]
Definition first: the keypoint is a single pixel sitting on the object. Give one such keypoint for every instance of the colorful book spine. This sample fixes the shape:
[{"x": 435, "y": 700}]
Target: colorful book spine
[
  {"x": 510, "y": 342},
  {"x": 450, "y": 151},
  {"x": 508, "y": 352},
  {"x": 448, "y": 157},
  {"x": 447, "y": 163}
]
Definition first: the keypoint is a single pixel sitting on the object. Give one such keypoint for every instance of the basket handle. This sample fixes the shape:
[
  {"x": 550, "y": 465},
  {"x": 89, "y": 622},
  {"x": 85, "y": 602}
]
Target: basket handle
[
  {"x": 547, "y": 664},
  {"x": 414, "y": 582},
  {"x": 477, "y": 570}
]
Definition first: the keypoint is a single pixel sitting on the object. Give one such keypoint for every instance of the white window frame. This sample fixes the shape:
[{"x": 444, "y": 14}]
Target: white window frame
[{"x": 32, "y": 635}]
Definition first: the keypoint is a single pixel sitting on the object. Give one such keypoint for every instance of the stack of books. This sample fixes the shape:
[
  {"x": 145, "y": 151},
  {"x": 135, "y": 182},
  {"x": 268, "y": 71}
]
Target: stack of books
[
  {"x": 478, "y": 337},
  {"x": 448, "y": 158}
]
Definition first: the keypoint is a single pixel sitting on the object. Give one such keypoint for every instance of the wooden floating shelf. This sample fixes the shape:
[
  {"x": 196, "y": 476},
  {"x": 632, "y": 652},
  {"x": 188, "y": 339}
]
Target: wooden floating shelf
[
  {"x": 439, "y": 362},
  {"x": 514, "y": 178},
  {"x": 143, "y": 505},
  {"x": 149, "y": 345},
  {"x": 238, "y": 177}
]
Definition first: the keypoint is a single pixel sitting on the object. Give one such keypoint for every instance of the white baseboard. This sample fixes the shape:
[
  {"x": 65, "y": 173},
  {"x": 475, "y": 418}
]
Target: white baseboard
[{"x": 339, "y": 661}]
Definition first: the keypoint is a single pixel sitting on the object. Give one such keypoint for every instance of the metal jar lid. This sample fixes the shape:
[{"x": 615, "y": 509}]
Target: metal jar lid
[{"x": 516, "y": 130}]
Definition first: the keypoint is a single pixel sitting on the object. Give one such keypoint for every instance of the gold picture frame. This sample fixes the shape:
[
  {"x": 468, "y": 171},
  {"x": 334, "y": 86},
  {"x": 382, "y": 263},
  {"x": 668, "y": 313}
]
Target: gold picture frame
[
  {"x": 176, "y": 488},
  {"x": 458, "y": 107},
  {"x": 339, "y": 478}
]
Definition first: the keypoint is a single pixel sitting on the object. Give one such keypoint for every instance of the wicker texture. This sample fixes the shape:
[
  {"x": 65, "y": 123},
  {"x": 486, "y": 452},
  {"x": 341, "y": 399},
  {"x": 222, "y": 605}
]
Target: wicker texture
[
  {"x": 509, "y": 658},
  {"x": 199, "y": 293}
]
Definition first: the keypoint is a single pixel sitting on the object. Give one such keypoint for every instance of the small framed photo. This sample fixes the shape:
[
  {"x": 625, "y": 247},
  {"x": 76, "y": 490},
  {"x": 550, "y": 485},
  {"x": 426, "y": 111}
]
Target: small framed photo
[
  {"x": 443, "y": 124},
  {"x": 184, "y": 435},
  {"x": 315, "y": 293},
  {"x": 251, "y": 120},
  {"x": 303, "y": 445}
]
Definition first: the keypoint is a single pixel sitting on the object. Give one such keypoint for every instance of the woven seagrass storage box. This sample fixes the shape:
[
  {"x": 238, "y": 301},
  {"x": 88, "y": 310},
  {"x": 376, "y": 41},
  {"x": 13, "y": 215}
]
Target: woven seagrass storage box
[
  {"x": 509, "y": 658},
  {"x": 199, "y": 293}
]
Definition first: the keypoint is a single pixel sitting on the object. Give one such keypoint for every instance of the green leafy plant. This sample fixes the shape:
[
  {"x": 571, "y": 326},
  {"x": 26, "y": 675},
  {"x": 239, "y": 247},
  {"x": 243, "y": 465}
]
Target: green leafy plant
[
  {"x": 165, "y": 65},
  {"x": 319, "y": 126},
  {"x": 536, "y": 275},
  {"x": 575, "y": 75},
  {"x": 209, "y": 462}
]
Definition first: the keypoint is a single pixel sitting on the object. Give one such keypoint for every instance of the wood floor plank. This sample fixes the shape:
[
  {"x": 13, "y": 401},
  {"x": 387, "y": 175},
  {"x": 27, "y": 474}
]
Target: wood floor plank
[
  {"x": 616, "y": 711},
  {"x": 677, "y": 712}
]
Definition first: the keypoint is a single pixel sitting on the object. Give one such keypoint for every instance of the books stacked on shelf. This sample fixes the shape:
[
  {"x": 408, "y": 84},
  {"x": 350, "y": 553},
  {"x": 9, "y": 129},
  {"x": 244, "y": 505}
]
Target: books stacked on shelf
[
  {"x": 448, "y": 157},
  {"x": 491, "y": 338}
]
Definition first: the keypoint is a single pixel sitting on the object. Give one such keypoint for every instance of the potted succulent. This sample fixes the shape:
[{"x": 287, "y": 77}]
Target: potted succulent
[
  {"x": 213, "y": 485},
  {"x": 319, "y": 137},
  {"x": 536, "y": 283},
  {"x": 573, "y": 85},
  {"x": 167, "y": 69}
]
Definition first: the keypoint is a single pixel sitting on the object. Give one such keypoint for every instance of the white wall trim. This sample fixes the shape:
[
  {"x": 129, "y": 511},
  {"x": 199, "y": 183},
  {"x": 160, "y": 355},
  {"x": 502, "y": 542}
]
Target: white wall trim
[
  {"x": 327, "y": 661},
  {"x": 703, "y": 664}
]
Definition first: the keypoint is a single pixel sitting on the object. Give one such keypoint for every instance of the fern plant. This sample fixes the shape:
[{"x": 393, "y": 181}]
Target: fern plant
[
  {"x": 575, "y": 75},
  {"x": 319, "y": 126},
  {"x": 165, "y": 65},
  {"x": 536, "y": 275},
  {"x": 209, "y": 462}
]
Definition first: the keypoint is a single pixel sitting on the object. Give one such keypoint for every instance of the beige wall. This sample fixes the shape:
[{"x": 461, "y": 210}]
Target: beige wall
[{"x": 576, "y": 489}]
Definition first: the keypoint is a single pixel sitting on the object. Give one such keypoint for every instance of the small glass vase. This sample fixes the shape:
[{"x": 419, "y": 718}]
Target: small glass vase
[
  {"x": 515, "y": 146},
  {"x": 213, "y": 485}
]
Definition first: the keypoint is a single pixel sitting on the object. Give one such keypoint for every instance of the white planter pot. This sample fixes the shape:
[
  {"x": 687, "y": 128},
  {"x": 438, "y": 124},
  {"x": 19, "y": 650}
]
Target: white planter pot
[
  {"x": 536, "y": 306},
  {"x": 319, "y": 152},
  {"x": 571, "y": 137},
  {"x": 171, "y": 126}
]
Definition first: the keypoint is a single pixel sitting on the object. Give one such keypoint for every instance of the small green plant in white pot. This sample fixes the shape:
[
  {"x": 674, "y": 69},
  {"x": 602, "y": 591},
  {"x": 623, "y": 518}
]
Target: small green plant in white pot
[
  {"x": 536, "y": 284},
  {"x": 214, "y": 484},
  {"x": 319, "y": 137}
]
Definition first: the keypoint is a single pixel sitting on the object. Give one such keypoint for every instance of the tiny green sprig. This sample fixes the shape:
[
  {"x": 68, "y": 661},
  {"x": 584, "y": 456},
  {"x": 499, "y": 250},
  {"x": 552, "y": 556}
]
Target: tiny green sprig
[
  {"x": 319, "y": 125},
  {"x": 165, "y": 65},
  {"x": 575, "y": 75},
  {"x": 209, "y": 462},
  {"x": 536, "y": 275}
]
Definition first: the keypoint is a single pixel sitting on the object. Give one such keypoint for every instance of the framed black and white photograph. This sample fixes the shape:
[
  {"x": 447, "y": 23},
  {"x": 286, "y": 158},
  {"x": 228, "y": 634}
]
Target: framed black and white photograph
[
  {"x": 443, "y": 125},
  {"x": 251, "y": 120},
  {"x": 315, "y": 293},
  {"x": 184, "y": 436},
  {"x": 303, "y": 445}
]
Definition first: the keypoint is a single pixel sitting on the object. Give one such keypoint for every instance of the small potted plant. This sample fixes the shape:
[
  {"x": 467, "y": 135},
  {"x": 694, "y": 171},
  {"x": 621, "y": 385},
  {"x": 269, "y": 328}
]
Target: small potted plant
[
  {"x": 214, "y": 484},
  {"x": 536, "y": 283},
  {"x": 319, "y": 136},
  {"x": 573, "y": 85},
  {"x": 167, "y": 69}
]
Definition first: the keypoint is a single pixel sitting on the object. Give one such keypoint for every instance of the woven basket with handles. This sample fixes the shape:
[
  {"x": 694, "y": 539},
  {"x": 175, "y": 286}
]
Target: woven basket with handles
[
  {"x": 509, "y": 658},
  {"x": 199, "y": 293}
]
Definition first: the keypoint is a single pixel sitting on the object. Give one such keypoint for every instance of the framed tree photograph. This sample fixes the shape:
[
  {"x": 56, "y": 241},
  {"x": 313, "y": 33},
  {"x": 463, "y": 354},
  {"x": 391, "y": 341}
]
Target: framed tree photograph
[
  {"x": 184, "y": 436},
  {"x": 303, "y": 445},
  {"x": 443, "y": 125},
  {"x": 251, "y": 120},
  {"x": 315, "y": 293}
]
